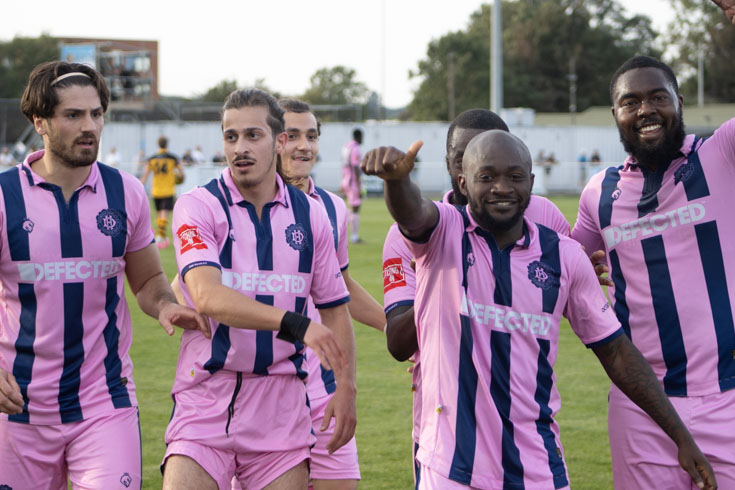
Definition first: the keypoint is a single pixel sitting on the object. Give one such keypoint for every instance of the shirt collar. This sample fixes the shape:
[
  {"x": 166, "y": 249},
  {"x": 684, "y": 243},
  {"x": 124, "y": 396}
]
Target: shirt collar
[
  {"x": 312, "y": 188},
  {"x": 233, "y": 196},
  {"x": 529, "y": 230},
  {"x": 35, "y": 179}
]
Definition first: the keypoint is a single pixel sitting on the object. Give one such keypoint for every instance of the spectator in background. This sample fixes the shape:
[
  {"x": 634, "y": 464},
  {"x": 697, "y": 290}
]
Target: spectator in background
[
  {"x": 187, "y": 159},
  {"x": 198, "y": 156},
  {"x": 218, "y": 157},
  {"x": 113, "y": 157},
  {"x": 595, "y": 157},
  {"x": 6, "y": 157}
]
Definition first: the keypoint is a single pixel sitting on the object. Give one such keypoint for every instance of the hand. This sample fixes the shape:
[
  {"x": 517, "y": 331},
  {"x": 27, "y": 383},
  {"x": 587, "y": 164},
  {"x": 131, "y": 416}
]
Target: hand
[
  {"x": 342, "y": 408},
  {"x": 11, "y": 399},
  {"x": 171, "y": 314},
  {"x": 390, "y": 163},
  {"x": 323, "y": 342},
  {"x": 694, "y": 463},
  {"x": 727, "y": 6},
  {"x": 601, "y": 268}
]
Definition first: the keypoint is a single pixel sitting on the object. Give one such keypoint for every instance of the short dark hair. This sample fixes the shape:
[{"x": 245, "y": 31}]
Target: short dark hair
[
  {"x": 254, "y": 97},
  {"x": 357, "y": 134},
  {"x": 40, "y": 96},
  {"x": 300, "y": 107},
  {"x": 476, "y": 119},
  {"x": 643, "y": 62},
  {"x": 162, "y": 142}
]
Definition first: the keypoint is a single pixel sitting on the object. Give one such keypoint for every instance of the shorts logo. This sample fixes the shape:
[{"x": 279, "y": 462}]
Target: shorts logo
[
  {"x": 393, "y": 274},
  {"x": 296, "y": 237},
  {"x": 27, "y": 226},
  {"x": 126, "y": 480},
  {"x": 190, "y": 238},
  {"x": 683, "y": 173},
  {"x": 470, "y": 259},
  {"x": 616, "y": 194},
  {"x": 542, "y": 276},
  {"x": 110, "y": 222}
]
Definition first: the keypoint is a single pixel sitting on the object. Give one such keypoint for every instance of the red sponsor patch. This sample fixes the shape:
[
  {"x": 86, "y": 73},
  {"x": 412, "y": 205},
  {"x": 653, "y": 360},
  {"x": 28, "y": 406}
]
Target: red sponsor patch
[
  {"x": 190, "y": 238},
  {"x": 393, "y": 276}
]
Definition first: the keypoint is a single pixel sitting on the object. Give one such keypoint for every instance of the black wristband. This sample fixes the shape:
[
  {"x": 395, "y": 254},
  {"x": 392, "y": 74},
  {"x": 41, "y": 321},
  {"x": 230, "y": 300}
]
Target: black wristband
[{"x": 293, "y": 327}]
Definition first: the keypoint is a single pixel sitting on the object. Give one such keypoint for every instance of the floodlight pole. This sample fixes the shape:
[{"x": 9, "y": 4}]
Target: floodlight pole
[{"x": 496, "y": 58}]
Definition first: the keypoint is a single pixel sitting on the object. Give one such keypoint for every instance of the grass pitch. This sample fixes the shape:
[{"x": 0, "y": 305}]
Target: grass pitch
[{"x": 384, "y": 396}]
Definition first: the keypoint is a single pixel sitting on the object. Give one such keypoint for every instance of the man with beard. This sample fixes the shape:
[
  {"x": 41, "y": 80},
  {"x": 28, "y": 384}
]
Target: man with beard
[
  {"x": 72, "y": 229},
  {"x": 399, "y": 278},
  {"x": 665, "y": 221},
  {"x": 491, "y": 289}
]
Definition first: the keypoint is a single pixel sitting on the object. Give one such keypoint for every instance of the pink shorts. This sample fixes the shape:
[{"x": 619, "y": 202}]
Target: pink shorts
[
  {"x": 98, "y": 452},
  {"x": 340, "y": 465},
  {"x": 252, "y": 427},
  {"x": 643, "y": 456}
]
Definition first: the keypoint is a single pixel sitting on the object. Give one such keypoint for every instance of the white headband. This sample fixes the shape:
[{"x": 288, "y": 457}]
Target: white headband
[{"x": 67, "y": 75}]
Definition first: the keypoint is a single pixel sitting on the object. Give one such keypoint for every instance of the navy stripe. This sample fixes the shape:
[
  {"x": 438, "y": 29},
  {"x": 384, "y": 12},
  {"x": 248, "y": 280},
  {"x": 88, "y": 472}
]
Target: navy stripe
[
  {"x": 225, "y": 255},
  {"x": 416, "y": 466},
  {"x": 199, "y": 263},
  {"x": 24, "y": 353},
  {"x": 667, "y": 317},
  {"x": 549, "y": 241},
  {"x": 695, "y": 183},
  {"x": 71, "y": 410},
  {"x": 544, "y": 383},
  {"x": 113, "y": 365},
  {"x": 115, "y": 190},
  {"x": 331, "y": 213},
  {"x": 220, "y": 347},
  {"x": 607, "y": 190},
  {"x": 334, "y": 303},
  {"x": 617, "y": 333},
  {"x": 710, "y": 251},
  {"x": 621, "y": 305},
  {"x": 393, "y": 306},
  {"x": 263, "y": 342},
  {"x": 15, "y": 215},
  {"x": 500, "y": 392},
  {"x": 70, "y": 232},
  {"x": 263, "y": 234},
  {"x": 463, "y": 460},
  {"x": 300, "y": 205},
  {"x": 501, "y": 270}
]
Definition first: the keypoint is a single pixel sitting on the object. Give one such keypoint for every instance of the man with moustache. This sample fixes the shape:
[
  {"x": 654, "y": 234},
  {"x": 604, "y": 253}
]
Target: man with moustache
[
  {"x": 491, "y": 289},
  {"x": 251, "y": 250},
  {"x": 72, "y": 229},
  {"x": 665, "y": 220}
]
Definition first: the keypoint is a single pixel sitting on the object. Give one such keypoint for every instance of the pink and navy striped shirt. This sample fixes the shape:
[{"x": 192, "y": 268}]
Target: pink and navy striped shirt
[
  {"x": 488, "y": 325},
  {"x": 279, "y": 259},
  {"x": 65, "y": 328},
  {"x": 670, "y": 242}
]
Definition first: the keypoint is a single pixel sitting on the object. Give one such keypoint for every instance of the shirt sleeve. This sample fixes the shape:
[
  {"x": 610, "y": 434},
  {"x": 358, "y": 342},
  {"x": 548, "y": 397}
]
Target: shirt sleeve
[
  {"x": 342, "y": 247},
  {"x": 588, "y": 311},
  {"x": 195, "y": 234},
  {"x": 586, "y": 230},
  {"x": 328, "y": 287},
  {"x": 449, "y": 219},
  {"x": 399, "y": 278},
  {"x": 725, "y": 135}
]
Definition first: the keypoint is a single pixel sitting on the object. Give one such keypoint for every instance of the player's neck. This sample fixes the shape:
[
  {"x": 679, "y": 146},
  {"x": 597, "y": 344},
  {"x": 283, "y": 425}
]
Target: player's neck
[
  {"x": 55, "y": 171},
  {"x": 260, "y": 194},
  {"x": 301, "y": 183}
]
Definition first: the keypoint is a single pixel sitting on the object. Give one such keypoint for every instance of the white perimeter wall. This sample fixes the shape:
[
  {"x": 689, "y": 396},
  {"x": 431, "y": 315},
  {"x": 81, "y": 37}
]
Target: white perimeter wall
[{"x": 565, "y": 142}]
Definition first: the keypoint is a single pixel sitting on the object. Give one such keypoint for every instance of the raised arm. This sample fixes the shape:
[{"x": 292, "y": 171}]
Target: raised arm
[
  {"x": 727, "y": 6},
  {"x": 363, "y": 307},
  {"x": 415, "y": 215},
  {"x": 630, "y": 372}
]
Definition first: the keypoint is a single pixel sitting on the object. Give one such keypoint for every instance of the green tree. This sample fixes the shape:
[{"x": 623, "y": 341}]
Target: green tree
[
  {"x": 18, "y": 57},
  {"x": 702, "y": 25},
  {"x": 542, "y": 41},
  {"x": 219, "y": 92},
  {"x": 335, "y": 86}
]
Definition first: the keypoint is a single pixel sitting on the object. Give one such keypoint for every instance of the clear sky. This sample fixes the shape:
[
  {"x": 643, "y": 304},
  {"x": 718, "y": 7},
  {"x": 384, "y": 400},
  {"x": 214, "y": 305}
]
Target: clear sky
[{"x": 284, "y": 42}]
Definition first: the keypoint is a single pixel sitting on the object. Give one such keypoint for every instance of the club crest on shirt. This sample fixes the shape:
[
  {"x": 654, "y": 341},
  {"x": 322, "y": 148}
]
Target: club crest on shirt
[
  {"x": 393, "y": 274},
  {"x": 616, "y": 194},
  {"x": 27, "y": 226},
  {"x": 542, "y": 276},
  {"x": 110, "y": 222},
  {"x": 126, "y": 480},
  {"x": 683, "y": 173},
  {"x": 296, "y": 237},
  {"x": 190, "y": 238}
]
